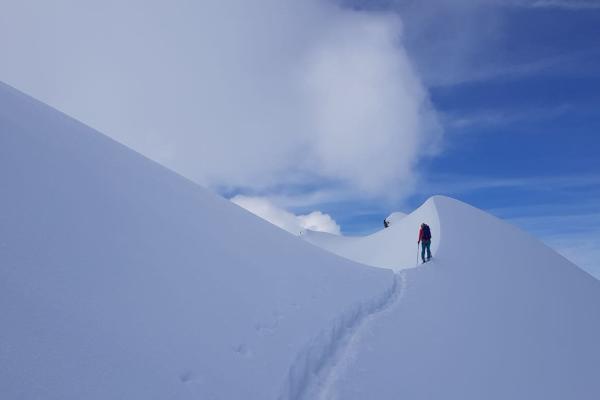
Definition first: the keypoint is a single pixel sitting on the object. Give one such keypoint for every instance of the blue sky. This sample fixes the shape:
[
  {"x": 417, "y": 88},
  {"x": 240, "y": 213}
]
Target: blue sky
[{"x": 522, "y": 124}]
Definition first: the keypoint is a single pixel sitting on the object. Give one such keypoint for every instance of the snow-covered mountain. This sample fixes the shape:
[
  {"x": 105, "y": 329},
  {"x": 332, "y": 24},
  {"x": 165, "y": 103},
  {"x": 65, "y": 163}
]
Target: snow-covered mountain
[{"x": 122, "y": 280}]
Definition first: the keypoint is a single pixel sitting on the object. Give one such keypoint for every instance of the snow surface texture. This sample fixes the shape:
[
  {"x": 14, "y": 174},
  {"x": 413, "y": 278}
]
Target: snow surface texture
[{"x": 121, "y": 280}]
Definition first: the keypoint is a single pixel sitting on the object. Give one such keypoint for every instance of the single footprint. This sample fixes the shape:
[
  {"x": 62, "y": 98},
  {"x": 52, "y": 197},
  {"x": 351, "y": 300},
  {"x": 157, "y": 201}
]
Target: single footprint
[
  {"x": 242, "y": 350},
  {"x": 269, "y": 328},
  {"x": 186, "y": 376}
]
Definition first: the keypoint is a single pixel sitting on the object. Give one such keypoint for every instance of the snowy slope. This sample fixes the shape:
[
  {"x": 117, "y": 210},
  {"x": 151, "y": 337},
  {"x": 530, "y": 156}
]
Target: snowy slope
[
  {"x": 394, "y": 247},
  {"x": 122, "y": 280},
  {"x": 496, "y": 315}
]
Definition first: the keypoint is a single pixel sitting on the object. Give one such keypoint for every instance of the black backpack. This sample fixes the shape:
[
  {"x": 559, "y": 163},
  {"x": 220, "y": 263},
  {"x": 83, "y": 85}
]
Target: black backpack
[{"x": 426, "y": 233}]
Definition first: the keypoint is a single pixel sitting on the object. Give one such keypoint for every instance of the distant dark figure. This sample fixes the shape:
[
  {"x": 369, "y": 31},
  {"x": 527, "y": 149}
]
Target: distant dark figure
[
  {"x": 425, "y": 240},
  {"x": 386, "y": 223}
]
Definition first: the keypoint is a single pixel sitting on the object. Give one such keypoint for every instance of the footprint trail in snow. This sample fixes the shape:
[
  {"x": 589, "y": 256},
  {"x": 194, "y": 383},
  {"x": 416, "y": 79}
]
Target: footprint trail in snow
[{"x": 318, "y": 368}]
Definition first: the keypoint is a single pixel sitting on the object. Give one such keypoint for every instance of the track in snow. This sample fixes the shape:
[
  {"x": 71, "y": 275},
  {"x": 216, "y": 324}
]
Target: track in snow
[{"x": 316, "y": 369}]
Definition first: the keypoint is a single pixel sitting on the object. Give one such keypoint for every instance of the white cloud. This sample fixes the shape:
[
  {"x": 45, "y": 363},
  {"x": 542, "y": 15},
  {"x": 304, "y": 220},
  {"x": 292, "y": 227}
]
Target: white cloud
[
  {"x": 462, "y": 184},
  {"x": 231, "y": 93},
  {"x": 295, "y": 224},
  {"x": 564, "y": 4},
  {"x": 483, "y": 118},
  {"x": 453, "y": 41},
  {"x": 458, "y": 41},
  {"x": 580, "y": 249},
  {"x": 372, "y": 116}
]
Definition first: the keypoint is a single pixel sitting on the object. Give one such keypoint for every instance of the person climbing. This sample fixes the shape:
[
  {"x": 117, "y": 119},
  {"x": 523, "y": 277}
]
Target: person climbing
[
  {"x": 425, "y": 240},
  {"x": 386, "y": 223}
]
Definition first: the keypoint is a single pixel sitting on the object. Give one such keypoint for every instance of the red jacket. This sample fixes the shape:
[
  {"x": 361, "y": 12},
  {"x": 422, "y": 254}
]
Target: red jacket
[{"x": 421, "y": 235}]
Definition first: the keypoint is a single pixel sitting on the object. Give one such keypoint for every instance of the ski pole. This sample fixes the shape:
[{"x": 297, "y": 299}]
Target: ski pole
[{"x": 417, "y": 253}]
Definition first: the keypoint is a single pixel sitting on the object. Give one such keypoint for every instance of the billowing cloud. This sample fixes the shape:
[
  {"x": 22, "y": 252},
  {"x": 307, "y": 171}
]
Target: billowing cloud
[
  {"x": 296, "y": 224},
  {"x": 236, "y": 95}
]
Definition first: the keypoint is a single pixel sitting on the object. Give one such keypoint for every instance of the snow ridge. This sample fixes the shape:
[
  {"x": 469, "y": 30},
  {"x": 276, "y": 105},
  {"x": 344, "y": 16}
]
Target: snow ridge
[{"x": 314, "y": 370}]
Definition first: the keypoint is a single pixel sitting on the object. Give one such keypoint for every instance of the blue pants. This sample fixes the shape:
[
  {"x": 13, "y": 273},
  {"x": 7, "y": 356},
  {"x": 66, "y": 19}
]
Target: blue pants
[{"x": 425, "y": 245}]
